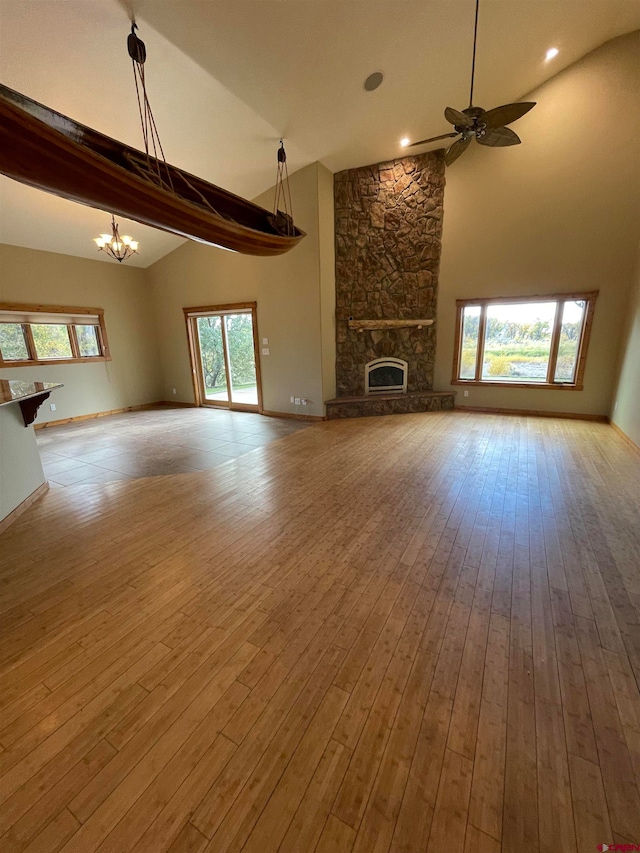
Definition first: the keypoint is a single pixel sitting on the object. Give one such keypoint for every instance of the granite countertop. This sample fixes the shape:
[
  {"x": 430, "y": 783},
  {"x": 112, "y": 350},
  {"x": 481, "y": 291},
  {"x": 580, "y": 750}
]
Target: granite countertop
[{"x": 15, "y": 390}]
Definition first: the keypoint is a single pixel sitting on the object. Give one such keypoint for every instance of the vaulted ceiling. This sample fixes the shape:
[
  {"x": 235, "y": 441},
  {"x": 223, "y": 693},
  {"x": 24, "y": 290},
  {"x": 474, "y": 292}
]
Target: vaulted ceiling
[{"x": 228, "y": 79}]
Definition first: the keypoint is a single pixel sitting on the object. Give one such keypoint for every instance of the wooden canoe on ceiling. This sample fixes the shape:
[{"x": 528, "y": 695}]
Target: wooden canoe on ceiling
[{"x": 45, "y": 149}]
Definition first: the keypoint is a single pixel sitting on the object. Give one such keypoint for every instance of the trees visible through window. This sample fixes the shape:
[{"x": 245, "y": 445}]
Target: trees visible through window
[
  {"x": 51, "y": 341},
  {"x": 535, "y": 341},
  {"x": 40, "y": 334},
  {"x": 12, "y": 342},
  {"x": 223, "y": 347},
  {"x": 238, "y": 334},
  {"x": 88, "y": 340}
]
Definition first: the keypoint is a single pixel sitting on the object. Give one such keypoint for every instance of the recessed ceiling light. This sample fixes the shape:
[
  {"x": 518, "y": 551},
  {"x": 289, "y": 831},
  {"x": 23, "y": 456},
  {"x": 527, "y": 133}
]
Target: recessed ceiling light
[
  {"x": 373, "y": 81},
  {"x": 551, "y": 53},
  {"x": 404, "y": 142}
]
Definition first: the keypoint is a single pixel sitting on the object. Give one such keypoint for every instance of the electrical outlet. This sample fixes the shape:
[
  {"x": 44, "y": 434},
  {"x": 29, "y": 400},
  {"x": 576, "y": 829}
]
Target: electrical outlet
[
  {"x": 466, "y": 393},
  {"x": 173, "y": 391},
  {"x": 304, "y": 401},
  {"x": 297, "y": 401},
  {"x": 52, "y": 406}
]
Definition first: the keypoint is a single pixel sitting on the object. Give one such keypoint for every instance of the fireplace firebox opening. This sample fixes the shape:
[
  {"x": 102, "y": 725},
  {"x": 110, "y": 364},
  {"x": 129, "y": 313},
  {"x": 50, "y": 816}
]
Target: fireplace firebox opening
[{"x": 386, "y": 376}]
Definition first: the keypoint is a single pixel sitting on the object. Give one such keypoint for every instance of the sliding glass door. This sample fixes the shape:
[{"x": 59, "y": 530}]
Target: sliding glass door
[{"x": 223, "y": 343}]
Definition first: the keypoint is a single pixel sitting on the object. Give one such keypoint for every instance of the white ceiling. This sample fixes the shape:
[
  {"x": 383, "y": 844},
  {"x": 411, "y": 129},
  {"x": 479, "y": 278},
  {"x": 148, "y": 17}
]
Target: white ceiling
[{"x": 228, "y": 79}]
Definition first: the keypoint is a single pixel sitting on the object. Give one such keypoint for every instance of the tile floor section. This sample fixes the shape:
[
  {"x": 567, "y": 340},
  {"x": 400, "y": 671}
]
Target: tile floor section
[{"x": 153, "y": 443}]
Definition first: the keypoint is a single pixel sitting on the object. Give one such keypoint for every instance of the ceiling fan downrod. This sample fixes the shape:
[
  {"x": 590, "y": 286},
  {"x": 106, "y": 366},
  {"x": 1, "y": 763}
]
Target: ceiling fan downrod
[{"x": 473, "y": 61}]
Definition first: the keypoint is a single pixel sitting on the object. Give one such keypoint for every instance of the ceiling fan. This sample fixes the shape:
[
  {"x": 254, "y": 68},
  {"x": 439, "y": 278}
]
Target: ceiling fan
[{"x": 488, "y": 127}]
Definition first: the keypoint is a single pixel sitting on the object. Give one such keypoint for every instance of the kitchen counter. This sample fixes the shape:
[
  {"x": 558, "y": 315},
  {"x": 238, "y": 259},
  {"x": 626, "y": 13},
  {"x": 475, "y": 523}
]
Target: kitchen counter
[{"x": 21, "y": 474}]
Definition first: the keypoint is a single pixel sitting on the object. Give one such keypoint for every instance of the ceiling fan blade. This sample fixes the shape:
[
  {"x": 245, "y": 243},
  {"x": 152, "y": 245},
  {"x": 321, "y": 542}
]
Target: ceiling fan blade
[
  {"x": 499, "y": 137},
  {"x": 499, "y": 116},
  {"x": 433, "y": 139},
  {"x": 456, "y": 118},
  {"x": 457, "y": 149}
]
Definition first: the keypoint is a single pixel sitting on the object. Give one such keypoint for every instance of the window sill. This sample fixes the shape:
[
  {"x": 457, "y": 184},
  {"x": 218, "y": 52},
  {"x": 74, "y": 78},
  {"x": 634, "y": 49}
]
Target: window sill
[
  {"x": 42, "y": 362},
  {"x": 548, "y": 386}
]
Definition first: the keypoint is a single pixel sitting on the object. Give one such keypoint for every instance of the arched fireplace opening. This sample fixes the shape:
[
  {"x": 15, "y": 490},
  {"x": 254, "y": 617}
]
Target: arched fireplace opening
[{"x": 386, "y": 376}]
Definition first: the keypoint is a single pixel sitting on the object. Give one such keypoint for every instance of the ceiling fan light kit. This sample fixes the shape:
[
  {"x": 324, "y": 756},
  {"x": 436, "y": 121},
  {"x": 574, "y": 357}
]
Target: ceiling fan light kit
[{"x": 487, "y": 127}]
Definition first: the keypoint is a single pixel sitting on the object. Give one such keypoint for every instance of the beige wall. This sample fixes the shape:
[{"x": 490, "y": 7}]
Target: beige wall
[
  {"x": 132, "y": 377},
  {"x": 20, "y": 466},
  {"x": 558, "y": 213},
  {"x": 287, "y": 292},
  {"x": 626, "y": 412}
]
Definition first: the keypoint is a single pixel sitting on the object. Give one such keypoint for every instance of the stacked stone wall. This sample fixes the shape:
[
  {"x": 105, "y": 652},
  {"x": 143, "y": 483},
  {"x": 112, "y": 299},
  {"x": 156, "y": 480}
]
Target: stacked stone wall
[{"x": 388, "y": 244}]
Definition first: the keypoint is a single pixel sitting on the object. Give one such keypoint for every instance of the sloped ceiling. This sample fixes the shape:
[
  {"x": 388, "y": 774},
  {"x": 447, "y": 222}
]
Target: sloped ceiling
[{"x": 227, "y": 80}]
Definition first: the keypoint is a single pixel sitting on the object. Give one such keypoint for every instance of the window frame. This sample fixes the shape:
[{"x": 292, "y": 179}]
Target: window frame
[
  {"x": 33, "y": 312},
  {"x": 588, "y": 297}
]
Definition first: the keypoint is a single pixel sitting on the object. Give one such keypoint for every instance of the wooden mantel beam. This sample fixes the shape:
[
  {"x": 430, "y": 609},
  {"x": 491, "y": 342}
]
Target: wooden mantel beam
[{"x": 362, "y": 325}]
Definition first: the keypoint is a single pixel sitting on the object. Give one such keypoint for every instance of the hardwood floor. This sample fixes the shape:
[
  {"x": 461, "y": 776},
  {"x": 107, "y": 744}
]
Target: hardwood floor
[
  {"x": 414, "y": 633},
  {"x": 153, "y": 443}
]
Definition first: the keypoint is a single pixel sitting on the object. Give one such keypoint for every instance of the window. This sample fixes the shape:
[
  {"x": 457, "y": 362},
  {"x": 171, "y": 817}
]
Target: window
[
  {"x": 536, "y": 341},
  {"x": 51, "y": 341},
  {"x": 13, "y": 344},
  {"x": 88, "y": 341},
  {"x": 42, "y": 334}
]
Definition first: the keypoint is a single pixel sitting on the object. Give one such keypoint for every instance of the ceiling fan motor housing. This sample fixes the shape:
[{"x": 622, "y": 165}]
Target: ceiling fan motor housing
[
  {"x": 474, "y": 112},
  {"x": 478, "y": 129}
]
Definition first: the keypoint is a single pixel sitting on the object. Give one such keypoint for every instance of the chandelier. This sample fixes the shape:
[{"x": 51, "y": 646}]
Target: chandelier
[{"x": 117, "y": 247}]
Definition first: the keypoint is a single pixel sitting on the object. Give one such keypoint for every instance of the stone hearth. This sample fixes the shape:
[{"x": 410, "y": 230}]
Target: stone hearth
[{"x": 369, "y": 405}]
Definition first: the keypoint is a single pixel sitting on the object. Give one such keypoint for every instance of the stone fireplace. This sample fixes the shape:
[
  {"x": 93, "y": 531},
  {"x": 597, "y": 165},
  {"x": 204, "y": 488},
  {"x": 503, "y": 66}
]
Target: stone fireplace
[{"x": 388, "y": 242}]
